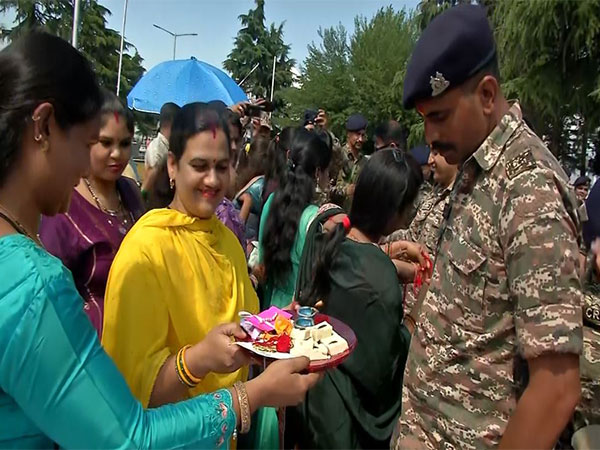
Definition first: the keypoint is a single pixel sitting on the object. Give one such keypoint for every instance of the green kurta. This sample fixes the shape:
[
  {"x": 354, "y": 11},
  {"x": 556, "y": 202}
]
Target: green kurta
[{"x": 357, "y": 404}]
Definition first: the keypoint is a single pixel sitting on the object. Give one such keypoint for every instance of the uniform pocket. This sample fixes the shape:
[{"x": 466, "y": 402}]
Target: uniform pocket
[{"x": 466, "y": 278}]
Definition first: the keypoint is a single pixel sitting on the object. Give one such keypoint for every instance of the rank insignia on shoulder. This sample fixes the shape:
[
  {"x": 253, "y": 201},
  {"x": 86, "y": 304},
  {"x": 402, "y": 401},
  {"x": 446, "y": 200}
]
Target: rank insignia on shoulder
[
  {"x": 519, "y": 164},
  {"x": 591, "y": 316}
]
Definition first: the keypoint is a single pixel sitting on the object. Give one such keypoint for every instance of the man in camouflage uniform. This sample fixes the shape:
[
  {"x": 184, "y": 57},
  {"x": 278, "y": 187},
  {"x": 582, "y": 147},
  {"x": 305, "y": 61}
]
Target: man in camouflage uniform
[
  {"x": 352, "y": 161},
  {"x": 588, "y": 410},
  {"x": 505, "y": 294},
  {"x": 425, "y": 227}
]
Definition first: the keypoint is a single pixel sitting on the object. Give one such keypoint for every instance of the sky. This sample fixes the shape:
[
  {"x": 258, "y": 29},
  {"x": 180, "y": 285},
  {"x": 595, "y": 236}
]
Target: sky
[{"x": 217, "y": 24}]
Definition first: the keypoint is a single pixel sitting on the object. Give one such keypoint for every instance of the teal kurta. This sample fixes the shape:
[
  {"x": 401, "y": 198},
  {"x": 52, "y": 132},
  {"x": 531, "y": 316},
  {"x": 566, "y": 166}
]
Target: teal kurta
[
  {"x": 57, "y": 383},
  {"x": 281, "y": 294},
  {"x": 357, "y": 404}
]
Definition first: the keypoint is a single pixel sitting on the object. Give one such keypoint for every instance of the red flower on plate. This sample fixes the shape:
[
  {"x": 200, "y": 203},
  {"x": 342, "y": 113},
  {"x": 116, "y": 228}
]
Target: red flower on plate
[{"x": 284, "y": 344}]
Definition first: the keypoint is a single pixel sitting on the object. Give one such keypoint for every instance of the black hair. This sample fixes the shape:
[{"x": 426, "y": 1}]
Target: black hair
[
  {"x": 390, "y": 132},
  {"x": 277, "y": 160},
  {"x": 190, "y": 120},
  {"x": 307, "y": 154},
  {"x": 325, "y": 136},
  {"x": 387, "y": 185},
  {"x": 111, "y": 104},
  {"x": 40, "y": 68},
  {"x": 233, "y": 119},
  {"x": 257, "y": 161},
  {"x": 168, "y": 111}
]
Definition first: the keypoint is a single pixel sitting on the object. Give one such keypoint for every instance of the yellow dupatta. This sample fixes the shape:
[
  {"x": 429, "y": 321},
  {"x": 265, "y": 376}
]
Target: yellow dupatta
[{"x": 174, "y": 278}]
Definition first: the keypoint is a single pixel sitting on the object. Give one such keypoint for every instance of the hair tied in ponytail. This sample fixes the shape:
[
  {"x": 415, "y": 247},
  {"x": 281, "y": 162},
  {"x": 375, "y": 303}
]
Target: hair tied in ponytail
[{"x": 346, "y": 223}]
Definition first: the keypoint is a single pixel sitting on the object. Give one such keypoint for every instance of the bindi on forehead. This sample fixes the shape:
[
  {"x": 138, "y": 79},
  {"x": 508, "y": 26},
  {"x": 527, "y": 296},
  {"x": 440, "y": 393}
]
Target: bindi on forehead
[{"x": 116, "y": 114}]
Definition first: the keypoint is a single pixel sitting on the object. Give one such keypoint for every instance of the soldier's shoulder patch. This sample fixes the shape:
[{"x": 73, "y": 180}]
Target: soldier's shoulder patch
[
  {"x": 523, "y": 162},
  {"x": 591, "y": 316}
]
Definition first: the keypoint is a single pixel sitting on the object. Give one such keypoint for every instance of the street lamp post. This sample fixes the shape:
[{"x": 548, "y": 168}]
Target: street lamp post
[
  {"x": 121, "y": 49},
  {"x": 175, "y": 36}
]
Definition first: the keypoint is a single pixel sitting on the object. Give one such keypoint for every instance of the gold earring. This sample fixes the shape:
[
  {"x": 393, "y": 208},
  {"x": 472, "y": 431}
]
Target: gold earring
[
  {"x": 171, "y": 183},
  {"x": 45, "y": 146}
]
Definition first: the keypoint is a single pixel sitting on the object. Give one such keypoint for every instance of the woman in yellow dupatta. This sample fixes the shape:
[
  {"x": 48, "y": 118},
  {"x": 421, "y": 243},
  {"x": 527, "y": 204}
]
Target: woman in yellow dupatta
[{"x": 179, "y": 272}]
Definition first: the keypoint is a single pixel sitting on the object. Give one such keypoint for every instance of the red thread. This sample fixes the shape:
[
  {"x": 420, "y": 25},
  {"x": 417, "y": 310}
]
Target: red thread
[{"x": 346, "y": 223}]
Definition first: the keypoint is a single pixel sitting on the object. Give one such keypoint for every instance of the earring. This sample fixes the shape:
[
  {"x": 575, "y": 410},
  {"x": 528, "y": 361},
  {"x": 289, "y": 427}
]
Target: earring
[
  {"x": 171, "y": 183},
  {"x": 45, "y": 146},
  {"x": 38, "y": 138}
]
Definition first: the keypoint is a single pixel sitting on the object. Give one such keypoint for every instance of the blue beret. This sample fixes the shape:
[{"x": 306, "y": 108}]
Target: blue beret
[
  {"x": 455, "y": 46},
  {"x": 356, "y": 122},
  {"x": 421, "y": 154}
]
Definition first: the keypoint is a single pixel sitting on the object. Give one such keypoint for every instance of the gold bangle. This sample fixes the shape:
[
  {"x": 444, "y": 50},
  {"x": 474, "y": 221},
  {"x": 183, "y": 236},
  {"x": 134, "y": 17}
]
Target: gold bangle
[
  {"x": 186, "y": 369},
  {"x": 240, "y": 389},
  {"x": 180, "y": 372}
]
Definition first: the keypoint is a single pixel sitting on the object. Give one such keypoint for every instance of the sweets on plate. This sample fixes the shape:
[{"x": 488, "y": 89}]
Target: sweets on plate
[{"x": 273, "y": 331}]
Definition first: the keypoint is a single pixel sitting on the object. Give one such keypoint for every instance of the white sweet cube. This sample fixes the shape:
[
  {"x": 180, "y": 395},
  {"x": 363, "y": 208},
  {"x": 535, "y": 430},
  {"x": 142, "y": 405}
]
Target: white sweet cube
[
  {"x": 321, "y": 331},
  {"x": 316, "y": 355},
  {"x": 335, "y": 344},
  {"x": 300, "y": 334}
]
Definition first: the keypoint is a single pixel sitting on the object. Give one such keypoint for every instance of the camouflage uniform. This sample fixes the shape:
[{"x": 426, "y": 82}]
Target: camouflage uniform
[
  {"x": 347, "y": 176},
  {"x": 424, "y": 228},
  {"x": 505, "y": 289},
  {"x": 589, "y": 406}
]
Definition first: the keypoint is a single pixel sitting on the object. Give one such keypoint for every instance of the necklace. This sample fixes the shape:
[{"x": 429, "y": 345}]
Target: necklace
[
  {"x": 13, "y": 222},
  {"x": 124, "y": 221}
]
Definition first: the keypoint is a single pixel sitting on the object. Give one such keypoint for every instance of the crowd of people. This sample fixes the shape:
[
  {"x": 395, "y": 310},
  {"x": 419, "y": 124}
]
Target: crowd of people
[{"x": 468, "y": 268}]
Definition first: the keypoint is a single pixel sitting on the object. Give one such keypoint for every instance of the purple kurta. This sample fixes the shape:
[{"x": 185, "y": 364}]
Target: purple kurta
[
  {"x": 86, "y": 240},
  {"x": 227, "y": 213}
]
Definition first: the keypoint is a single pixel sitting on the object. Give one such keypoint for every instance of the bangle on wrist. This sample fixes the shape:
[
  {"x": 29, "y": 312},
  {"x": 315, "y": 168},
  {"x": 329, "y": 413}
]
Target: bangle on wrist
[
  {"x": 242, "y": 395},
  {"x": 183, "y": 372}
]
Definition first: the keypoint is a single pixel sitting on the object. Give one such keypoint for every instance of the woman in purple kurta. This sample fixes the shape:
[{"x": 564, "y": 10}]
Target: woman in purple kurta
[{"x": 87, "y": 237}]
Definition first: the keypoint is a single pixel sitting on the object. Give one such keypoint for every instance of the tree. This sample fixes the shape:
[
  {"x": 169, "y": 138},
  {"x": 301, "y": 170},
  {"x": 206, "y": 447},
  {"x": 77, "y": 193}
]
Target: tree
[
  {"x": 549, "y": 54},
  {"x": 326, "y": 81},
  {"x": 363, "y": 73},
  {"x": 257, "y": 44},
  {"x": 97, "y": 42}
]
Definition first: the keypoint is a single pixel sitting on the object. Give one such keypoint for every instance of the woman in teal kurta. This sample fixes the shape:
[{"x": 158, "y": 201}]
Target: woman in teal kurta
[{"x": 57, "y": 385}]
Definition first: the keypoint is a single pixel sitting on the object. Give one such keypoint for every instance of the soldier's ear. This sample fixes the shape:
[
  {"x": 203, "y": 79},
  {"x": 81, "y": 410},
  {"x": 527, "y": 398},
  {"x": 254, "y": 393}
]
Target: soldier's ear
[{"x": 487, "y": 92}]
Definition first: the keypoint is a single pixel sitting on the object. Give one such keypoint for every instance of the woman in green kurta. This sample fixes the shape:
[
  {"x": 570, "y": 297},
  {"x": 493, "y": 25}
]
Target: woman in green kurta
[
  {"x": 357, "y": 404},
  {"x": 287, "y": 215}
]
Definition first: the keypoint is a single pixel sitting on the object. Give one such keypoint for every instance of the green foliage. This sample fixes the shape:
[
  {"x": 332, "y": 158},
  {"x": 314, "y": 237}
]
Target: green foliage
[
  {"x": 361, "y": 73},
  {"x": 258, "y": 44},
  {"x": 97, "y": 42},
  {"x": 549, "y": 53}
]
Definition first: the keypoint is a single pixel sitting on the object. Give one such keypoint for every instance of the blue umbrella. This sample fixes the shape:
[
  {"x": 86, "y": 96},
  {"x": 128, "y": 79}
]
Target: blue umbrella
[{"x": 182, "y": 82}]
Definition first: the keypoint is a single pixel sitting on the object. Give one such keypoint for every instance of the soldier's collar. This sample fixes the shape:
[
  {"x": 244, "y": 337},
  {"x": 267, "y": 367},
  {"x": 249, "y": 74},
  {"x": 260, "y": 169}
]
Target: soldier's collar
[{"x": 490, "y": 150}]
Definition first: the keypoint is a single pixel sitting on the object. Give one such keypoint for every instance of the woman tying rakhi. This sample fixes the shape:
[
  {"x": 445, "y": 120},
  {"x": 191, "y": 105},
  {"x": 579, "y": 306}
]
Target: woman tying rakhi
[{"x": 357, "y": 283}]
